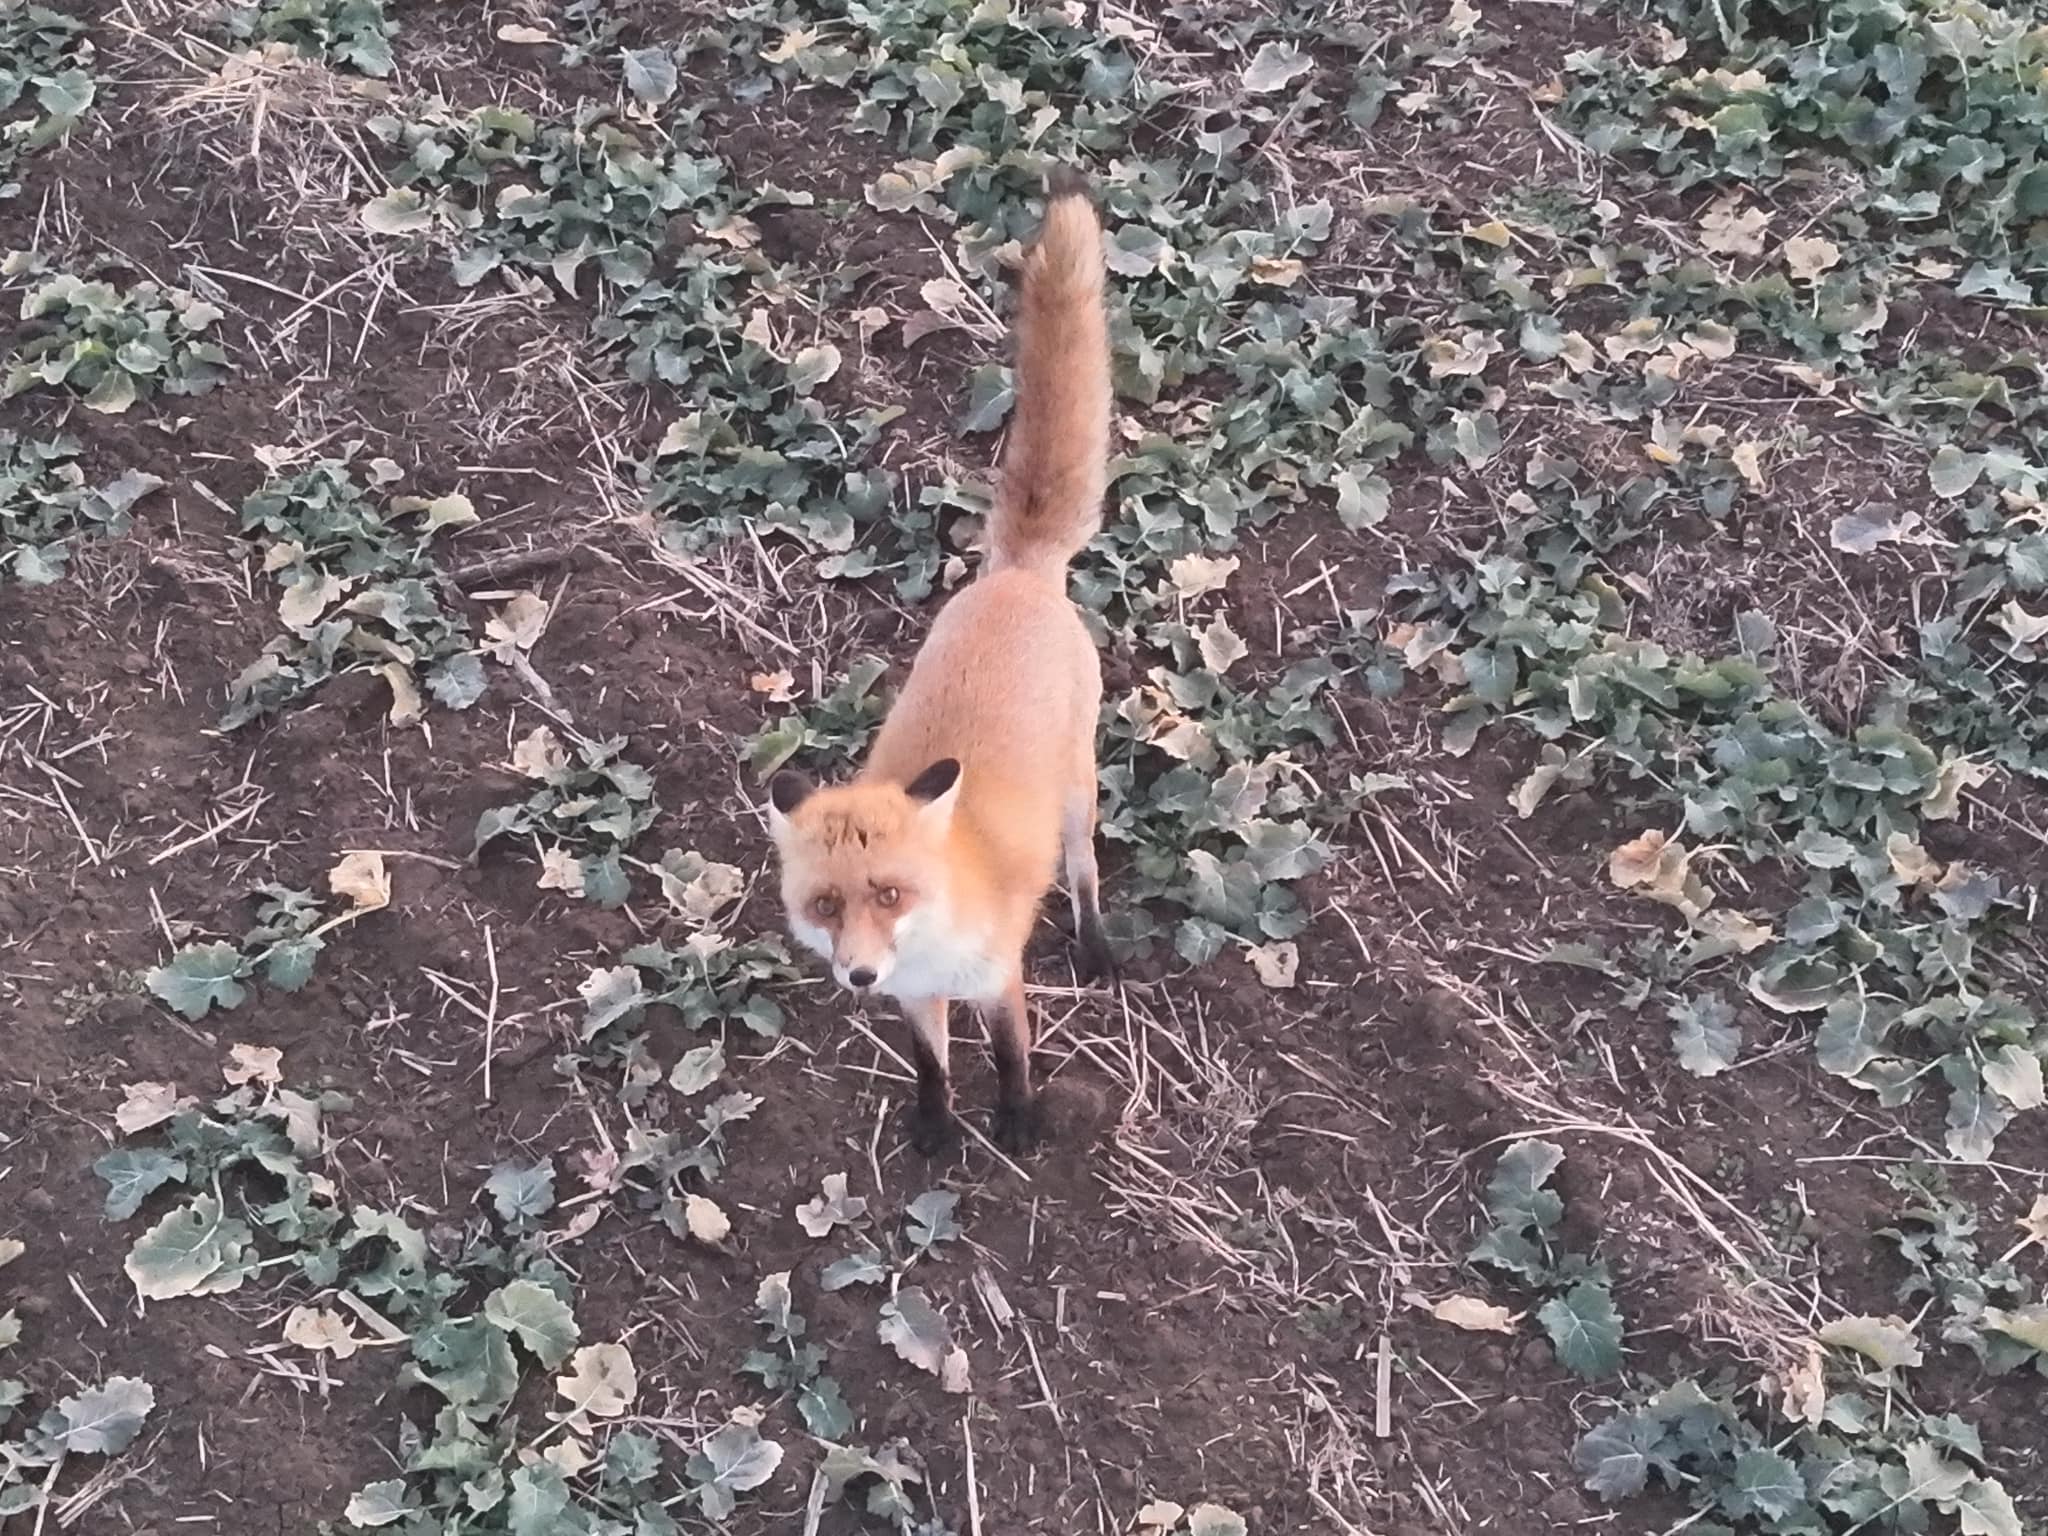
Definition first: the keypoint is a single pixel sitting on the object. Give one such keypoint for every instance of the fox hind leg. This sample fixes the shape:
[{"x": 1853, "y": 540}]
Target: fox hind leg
[{"x": 1094, "y": 960}]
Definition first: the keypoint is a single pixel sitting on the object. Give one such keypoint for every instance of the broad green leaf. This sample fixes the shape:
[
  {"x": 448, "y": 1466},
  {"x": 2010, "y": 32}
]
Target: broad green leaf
[
  {"x": 1764, "y": 1483},
  {"x": 379, "y": 1504},
  {"x": 822, "y": 1406},
  {"x": 931, "y": 1218},
  {"x": 1704, "y": 1033},
  {"x": 133, "y": 1174},
  {"x": 862, "y": 1267},
  {"x": 522, "y": 1194},
  {"x": 600, "y": 1382},
  {"x": 102, "y": 1420},
  {"x": 1274, "y": 67},
  {"x": 200, "y": 978},
  {"x": 912, "y": 1327},
  {"x": 698, "y": 1069},
  {"x": 197, "y": 1250},
  {"x": 650, "y": 74},
  {"x": 813, "y": 366},
  {"x": 401, "y": 211},
  {"x": 1586, "y": 1329},
  {"x": 1886, "y": 1342},
  {"x": 536, "y": 1316},
  {"x": 1613, "y": 1457},
  {"x": 833, "y": 1207}
]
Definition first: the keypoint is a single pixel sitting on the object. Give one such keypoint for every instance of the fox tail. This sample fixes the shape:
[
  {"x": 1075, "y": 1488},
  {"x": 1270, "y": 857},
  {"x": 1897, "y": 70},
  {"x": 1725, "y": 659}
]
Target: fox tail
[{"x": 1056, "y": 464}]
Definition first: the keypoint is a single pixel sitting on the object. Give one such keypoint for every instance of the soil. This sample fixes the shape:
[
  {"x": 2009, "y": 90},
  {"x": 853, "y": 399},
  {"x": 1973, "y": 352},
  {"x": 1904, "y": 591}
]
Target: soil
[{"x": 1203, "y": 1269}]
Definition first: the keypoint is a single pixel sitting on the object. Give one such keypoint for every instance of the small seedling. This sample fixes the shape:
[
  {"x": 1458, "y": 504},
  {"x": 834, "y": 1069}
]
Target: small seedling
[
  {"x": 46, "y": 506},
  {"x": 355, "y": 33},
  {"x": 114, "y": 346},
  {"x": 588, "y": 810},
  {"x": 1524, "y": 1240}
]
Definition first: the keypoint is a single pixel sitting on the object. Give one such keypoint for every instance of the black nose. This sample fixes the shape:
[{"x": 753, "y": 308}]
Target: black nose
[{"x": 862, "y": 977}]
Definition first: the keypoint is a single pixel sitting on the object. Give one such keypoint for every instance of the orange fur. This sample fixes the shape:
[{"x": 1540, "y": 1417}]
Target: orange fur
[{"x": 926, "y": 884}]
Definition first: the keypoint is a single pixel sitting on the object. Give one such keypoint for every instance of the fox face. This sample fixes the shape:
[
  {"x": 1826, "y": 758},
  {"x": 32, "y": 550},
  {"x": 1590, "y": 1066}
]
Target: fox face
[{"x": 863, "y": 869}]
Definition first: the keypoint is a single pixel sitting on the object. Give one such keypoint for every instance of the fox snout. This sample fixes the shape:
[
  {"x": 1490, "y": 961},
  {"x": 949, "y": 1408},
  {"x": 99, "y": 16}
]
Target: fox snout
[{"x": 862, "y": 975}]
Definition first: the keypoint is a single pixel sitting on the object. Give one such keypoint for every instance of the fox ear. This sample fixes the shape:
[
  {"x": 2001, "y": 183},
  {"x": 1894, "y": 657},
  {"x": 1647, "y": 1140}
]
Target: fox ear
[
  {"x": 786, "y": 791},
  {"x": 935, "y": 790}
]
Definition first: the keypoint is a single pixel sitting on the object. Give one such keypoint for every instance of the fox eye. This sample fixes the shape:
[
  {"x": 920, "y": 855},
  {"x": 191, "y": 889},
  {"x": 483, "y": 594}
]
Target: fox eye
[
  {"x": 888, "y": 896},
  {"x": 826, "y": 907}
]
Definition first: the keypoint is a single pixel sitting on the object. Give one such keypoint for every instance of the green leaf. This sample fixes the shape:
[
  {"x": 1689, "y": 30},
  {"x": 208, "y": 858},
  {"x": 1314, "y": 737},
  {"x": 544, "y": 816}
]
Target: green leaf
[
  {"x": 1362, "y": 500},
  {"x": 399, "y": 212},
  {"x": 650, "y": 73},
  {"x": 813, "y": 366},
  {"x": 522, "y": 1194},
  {"x": 379, "y": 1504},
  {"x": 536, "y": 1316},
  {"x": 288, "y": 963},
  {"x": 197, "y": 1250},
  {"x": 1886, "y": 1342},
  {"x": 133, "y": 1174},
  {"x": 698, "y": 1069},
  {"x": 200, "y": 978},
  {"x": 823, "y": 1409},
  {"x": 1704, "y": 1033},
  {"x": 912, "y": 1327},
  {"x": 113, "y": 394},
  {"x": 931, "y": 1218},
  {"x": 1613, "y": 1457},
  {"x": 1764, "y": 1484},
  {"x": 1852, "y": 1035},
  {"x": 1492, "y": 672},
  {"x": 736, "y": 1459},
  {"x": 102, "y": 1420},
  {"x": 1952, "y": 471},
  {"x": 1215, "y": 1520},
  {"x": 990, "y": 394},
  {"x": 1135, "y": 251},
  {"x": 1586, "y": 1329},
  {"x": 861, "y": 1267},
  {"x": 539, "y": 1498},
  {"x": 1274, "y": 67}
]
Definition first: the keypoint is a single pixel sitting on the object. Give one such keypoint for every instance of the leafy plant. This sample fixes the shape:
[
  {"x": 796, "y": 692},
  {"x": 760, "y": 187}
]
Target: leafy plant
[
  {"x": 1989, "y": 1308},
  {"x": 45, "y": 505},
  {"x": 543, "y": 196},
  {"x": 1939, "y": 122},
  {"x": 282, "y": 946},
  {"x": 589, "y": 808},
  {"x": 1525, "y": 1241},
  {"x": 360, "y": 592},
  {"x": 1856, "y": 1461},
  {"x": 46, "y": 83},
  {"x": 710, "y": 980},
  {"x": 830, "y": 734},
  {"x": 114, "y": 346},
  {"x": 352, "y": 32},
  {"x": 101, "y": 1420},
  {"x": 791, "y": 1365}
]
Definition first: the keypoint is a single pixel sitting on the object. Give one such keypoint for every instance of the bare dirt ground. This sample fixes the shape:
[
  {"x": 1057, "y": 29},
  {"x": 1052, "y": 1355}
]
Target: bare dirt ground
[{"x": 1221, "y": 1280}]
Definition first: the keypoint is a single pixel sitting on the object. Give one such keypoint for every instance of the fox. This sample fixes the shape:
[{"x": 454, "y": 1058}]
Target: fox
[{"x": 922, "y": 877}]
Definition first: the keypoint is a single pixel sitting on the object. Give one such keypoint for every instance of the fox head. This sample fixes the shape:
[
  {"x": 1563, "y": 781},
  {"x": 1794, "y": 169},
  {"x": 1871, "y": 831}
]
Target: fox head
[{"x": 863, "y": 865}]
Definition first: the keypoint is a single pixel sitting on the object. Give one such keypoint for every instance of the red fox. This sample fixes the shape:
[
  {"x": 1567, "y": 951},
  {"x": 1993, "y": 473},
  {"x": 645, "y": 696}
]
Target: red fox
[{"x": 922, "y": 877}]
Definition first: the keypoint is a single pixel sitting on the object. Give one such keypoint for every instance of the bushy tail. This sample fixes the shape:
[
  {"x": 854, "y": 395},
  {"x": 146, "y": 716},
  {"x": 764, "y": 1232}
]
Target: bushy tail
[{"x": 1056, "y": 466}]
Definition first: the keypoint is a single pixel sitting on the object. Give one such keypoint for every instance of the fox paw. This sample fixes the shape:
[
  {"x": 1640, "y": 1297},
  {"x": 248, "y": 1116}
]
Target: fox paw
[
  {"x": 932, "y": 1131},
  {"x": 1094, "y": 960},
  {"x": 1018, "y": 1128}
]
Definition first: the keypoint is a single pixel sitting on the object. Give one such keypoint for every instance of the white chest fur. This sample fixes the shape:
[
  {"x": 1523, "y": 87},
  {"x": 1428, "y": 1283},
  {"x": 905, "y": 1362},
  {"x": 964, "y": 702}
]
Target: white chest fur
[{"x": 937, "y": 959}]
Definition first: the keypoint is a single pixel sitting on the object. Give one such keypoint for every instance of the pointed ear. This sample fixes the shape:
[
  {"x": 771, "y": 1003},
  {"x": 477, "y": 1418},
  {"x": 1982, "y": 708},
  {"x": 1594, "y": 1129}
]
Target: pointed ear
[
  {"x": 786, "y": 791},
  {"x": 935, "y": 790}
]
